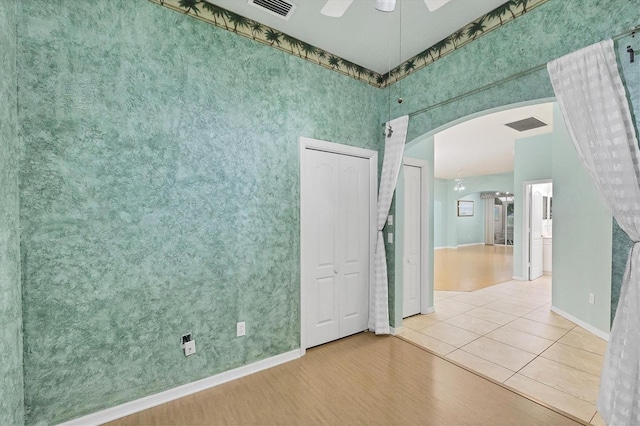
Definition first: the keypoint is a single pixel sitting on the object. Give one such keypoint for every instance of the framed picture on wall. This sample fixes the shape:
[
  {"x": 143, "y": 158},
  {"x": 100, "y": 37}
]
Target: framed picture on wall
[{"x": 465, "y": 208}]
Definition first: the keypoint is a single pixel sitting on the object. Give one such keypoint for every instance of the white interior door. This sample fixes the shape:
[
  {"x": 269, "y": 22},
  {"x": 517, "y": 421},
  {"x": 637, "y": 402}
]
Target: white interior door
[
  {"x": 535, "y": 236},
  {"x": 412, "y": 247},
  {"x": 336, "y": 204},
  {"x": 353, "y": 244}
]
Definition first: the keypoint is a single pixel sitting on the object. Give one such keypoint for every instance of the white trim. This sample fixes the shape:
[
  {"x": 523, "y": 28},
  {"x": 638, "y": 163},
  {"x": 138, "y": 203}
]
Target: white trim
[
  {"x": 393, "y": 331},
  {"x": 472, "y": 244},
  {"x": 601, "y": 334},
  {"x": 445, "y": 247},
  {"x": 429, "y": 310},
  {"x": 423, "y": 165},
  {"x": 372, "y": 156},
  {"x": 150, "y": 401},
  {"x": 519, "y": 278}
]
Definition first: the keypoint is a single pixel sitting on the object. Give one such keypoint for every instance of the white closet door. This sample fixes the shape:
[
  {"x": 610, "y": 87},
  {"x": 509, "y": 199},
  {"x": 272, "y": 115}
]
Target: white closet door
[
  {"x": 336, "y": 210},
  {"x": 353, "y": 247},
  {"x": 412, "y": 222},
  {"x": 535, "y": 236},
  {"x": 322, "y": 197}
]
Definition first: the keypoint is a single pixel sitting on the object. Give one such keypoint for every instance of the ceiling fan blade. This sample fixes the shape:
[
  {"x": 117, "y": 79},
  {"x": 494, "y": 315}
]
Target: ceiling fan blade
[
  {"x": 433, "y": 5},
  {"x": 336, "y": 8}
]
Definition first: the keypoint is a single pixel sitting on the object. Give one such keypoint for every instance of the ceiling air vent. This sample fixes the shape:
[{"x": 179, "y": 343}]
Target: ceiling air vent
[
  {"x": 280, "y": 8},
  {"x": 526, "y": 124}
]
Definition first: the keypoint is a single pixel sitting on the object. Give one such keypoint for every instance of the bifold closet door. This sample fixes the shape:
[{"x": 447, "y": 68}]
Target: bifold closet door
[{"x": 337, "y": 228}]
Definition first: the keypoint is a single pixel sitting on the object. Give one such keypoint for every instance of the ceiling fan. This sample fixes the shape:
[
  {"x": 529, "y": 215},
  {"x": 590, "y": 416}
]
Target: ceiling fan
[{"x": 337, "y": 8}]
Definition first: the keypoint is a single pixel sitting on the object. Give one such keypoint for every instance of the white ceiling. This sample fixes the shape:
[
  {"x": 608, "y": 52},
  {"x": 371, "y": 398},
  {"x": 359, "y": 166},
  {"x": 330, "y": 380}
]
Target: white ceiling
[
  {"x": 484, "y": 145},
  {"x": 366, "y": 36}
]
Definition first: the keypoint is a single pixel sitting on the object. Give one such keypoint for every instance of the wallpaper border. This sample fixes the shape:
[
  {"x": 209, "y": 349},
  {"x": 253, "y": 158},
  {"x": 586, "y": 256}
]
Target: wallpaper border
[{"x": 230, "y": 21}]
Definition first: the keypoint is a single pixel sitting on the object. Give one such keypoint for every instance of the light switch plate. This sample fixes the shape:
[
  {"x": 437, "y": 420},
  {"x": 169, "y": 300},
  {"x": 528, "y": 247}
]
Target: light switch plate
[
  {"x": 390, "y": 220},
  {"x": 390, "y": 237}
]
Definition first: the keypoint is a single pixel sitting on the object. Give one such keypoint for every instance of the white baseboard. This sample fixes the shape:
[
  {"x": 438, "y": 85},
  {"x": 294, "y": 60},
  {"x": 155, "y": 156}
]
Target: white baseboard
[
  {"x": 138, "y": 405},
  {"x": 393, "y": 330},
  {"x": 519, "y": 278},
  {"x": 601, "y": 334},
  {"x": 444, "y": 247},
  {"x": 429, "y": 310},
  {"x": 472, "y": 244}
]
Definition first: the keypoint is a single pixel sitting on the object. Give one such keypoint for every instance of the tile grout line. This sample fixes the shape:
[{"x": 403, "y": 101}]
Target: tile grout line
[{"x": 564, "y": 333}]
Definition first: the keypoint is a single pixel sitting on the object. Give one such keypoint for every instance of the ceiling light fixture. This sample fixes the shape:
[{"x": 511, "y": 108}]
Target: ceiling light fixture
[
  {"x": 336, "y": 8},
  {"x": 385, "y": 5},
  {"x": 459, "y": 183}
]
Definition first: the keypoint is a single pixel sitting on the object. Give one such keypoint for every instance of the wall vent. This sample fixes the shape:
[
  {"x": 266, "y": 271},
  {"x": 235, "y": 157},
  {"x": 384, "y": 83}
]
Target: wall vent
[
  {"x": 526, "y": 124},
  {"x": 280, "y": 8}
]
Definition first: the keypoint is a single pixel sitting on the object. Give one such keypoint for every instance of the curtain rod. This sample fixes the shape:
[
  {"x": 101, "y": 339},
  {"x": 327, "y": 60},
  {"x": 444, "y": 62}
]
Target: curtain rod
[{"x": 506, "y": 79}]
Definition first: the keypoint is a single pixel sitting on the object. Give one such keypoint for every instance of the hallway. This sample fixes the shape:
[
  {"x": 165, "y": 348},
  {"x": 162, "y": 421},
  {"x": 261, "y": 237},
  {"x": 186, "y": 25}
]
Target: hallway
[{"x": 469, "y": 268}]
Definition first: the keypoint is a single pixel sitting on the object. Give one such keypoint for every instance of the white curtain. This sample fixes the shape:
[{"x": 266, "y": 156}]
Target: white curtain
[
  {"x": 393, "y": 153},
  {"x": 594, "y": 105}
]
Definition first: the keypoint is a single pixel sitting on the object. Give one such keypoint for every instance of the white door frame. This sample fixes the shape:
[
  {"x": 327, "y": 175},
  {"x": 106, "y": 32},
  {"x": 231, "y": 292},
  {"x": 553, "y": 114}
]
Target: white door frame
[
  {"x": 526, "y": 228},
  {"x": 372, "y": 156},
  {"x": 424, "y": 231}
]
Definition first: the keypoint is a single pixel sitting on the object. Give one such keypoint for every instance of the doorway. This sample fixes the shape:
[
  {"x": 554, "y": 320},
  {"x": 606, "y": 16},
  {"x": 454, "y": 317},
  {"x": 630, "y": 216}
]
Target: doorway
[
  {"x": 538, "y": 223},
  {"x": 503, "y": 219},
  {"x": 338, "y": 188}
]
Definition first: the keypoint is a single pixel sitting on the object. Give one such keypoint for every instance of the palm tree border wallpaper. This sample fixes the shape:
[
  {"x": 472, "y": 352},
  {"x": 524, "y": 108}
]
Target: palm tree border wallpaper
[{"x": 225, "y": 19}]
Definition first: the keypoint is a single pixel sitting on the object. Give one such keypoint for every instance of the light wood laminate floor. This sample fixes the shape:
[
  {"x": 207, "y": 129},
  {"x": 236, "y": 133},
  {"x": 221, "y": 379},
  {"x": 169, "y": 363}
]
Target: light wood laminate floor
[
  {"x": 362, "y": 379},
  {"x": 506, "y": 332},
  {"x": 470, "y": 268}
]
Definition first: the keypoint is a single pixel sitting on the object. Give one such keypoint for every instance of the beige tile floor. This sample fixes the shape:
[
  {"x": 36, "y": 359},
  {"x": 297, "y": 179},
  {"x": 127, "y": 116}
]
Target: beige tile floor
[{"x": 507, "y": 332}]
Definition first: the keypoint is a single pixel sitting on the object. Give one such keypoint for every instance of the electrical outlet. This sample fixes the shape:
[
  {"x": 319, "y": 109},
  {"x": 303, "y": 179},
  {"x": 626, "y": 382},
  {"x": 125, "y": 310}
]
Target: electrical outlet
[
  {"x": 390, "y": 220},
  {"x": 240, "y": 329},
  {"x": 189, "y": 348},
  {"x": 390, "y": 237},
  {"x": 592, "y": 298}
]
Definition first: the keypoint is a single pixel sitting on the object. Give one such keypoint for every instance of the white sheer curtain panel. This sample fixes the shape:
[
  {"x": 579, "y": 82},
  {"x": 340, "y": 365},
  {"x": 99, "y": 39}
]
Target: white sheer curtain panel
[
  {"x": 393, "y": 153},
  {"x": 595, "y": 108}
]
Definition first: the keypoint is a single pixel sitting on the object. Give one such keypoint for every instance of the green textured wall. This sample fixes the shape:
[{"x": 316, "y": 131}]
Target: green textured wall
[
  {"x": 160, "y": 196},
  {"x": 160, "y": 158},
  {"x": 532, "y": 158},
  {"x": 555, "y": 28},
  {"x": 551, "y": 30},
  {"x": 11, "y": 380},
  {"x": 630, "y": 73}
]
